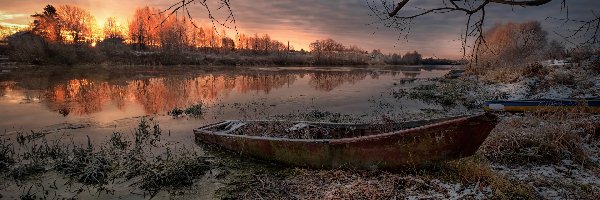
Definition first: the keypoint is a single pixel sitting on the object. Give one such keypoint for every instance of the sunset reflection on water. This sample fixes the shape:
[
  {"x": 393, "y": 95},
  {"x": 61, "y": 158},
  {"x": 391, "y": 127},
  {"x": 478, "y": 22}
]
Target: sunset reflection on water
[{"x": 143, "y": 92}]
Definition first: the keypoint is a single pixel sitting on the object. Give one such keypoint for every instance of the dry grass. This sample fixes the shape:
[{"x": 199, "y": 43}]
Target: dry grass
[
  {"x": 435, "y": 182},
  {"x": 450, "y": 93},
  {"x": 145, "y": 160},
  {"x": 502, "y": 75},
  {"x": 535, "y": 70},
  {"x": 478, "y": 170},
  {"x": 541, "y": 138}
]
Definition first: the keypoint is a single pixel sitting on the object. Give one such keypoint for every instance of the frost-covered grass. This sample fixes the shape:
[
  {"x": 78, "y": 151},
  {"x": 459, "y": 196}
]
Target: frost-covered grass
[
  {"x": 555, "y": 154},
  {"x": 507, "y": 84},
  {"x": 142, "y": 159},
  {"x": 469, "y": 178}
]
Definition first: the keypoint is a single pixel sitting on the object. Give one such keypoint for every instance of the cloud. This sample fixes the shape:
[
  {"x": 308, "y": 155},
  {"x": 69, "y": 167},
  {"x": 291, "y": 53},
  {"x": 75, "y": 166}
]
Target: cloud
[
  {"x": 348, "y": 21},
  {"x": 6, "y": 16}
]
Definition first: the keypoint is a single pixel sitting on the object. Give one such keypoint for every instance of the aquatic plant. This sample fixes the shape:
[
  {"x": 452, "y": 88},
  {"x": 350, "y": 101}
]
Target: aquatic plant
[
  {"x": 195, "y": 110},
  {"x": 118, "y": 141},
  {"x": 175, "y": 112},
  {"x": 171, "y": 171},
  {"x": 86, "y": 165},
  {"x": 6, "y": 155},
  {"x": 23, "y": 138},
  {"x": 24, "y": 170}
]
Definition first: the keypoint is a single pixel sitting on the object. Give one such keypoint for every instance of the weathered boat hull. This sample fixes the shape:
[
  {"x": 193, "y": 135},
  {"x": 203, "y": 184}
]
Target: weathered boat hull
[
  {"x": 590, "y": 105},
  {"x": 414, "y": 147}
]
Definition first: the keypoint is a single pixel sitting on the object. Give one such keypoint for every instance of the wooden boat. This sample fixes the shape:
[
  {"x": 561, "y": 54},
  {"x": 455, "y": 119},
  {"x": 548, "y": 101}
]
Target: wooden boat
[
  {"x": 367, "y": 146},
  {"x": 591, "y": 105}
]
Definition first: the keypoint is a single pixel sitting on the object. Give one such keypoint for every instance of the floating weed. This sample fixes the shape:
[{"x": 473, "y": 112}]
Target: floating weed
[
  {"x": 175, "y": 113},
  {"x": 194, "y": 110}
]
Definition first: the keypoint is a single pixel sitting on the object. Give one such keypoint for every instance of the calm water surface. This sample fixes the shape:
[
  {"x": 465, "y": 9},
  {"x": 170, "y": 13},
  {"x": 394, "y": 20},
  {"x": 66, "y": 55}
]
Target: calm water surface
[{"x": 105, "y": 97}]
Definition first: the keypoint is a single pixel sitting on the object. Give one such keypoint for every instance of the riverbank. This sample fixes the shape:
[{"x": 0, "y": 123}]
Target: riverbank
[{"x": 532, "y": 155}]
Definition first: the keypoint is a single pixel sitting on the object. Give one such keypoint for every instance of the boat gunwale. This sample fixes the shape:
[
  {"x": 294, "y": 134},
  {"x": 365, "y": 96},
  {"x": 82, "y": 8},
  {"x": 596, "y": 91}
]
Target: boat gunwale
[
  {"x": 202, "y": 130},
  {"x": 591, "y": 99}
]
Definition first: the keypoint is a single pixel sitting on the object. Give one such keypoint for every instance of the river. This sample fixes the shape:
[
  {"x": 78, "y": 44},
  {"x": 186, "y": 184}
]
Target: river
[{"x": 96, "y": 101}]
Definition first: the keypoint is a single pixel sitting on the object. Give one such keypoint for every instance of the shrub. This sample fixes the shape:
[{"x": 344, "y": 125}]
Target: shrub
[
  {"x": 501, "y": 75},
  {"x": 539, "y": 138},
  {"x": 27, "y": 47},
  {"x": 535, "y": 70},
  {"x": 560, "y": 77}
]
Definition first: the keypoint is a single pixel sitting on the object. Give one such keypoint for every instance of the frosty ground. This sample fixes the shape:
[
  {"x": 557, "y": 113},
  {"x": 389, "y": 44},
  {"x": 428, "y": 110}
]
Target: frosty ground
[{"x": 531, "y": 155}]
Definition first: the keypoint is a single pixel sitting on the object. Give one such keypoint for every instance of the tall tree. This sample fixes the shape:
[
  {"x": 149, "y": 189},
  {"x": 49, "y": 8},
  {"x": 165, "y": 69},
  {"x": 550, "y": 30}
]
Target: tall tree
[
  {"x": 112, "y": 29},
  {"x": 47, "y": 24},
  {"x": 77, "y": 23},
  {"x": 143, "y": 29}
]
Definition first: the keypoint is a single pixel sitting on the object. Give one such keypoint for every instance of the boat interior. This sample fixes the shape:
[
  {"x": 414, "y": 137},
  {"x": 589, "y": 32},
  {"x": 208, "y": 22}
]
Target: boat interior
[{"x": 312, "y": 130}]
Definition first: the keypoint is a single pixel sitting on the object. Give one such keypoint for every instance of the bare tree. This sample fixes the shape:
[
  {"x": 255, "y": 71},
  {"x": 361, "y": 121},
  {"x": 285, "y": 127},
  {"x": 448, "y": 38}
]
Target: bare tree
[
  {"x": 512, "y": 44},
  {"x": 219, "y": 12},
  {"x": 390, "y": 14}
]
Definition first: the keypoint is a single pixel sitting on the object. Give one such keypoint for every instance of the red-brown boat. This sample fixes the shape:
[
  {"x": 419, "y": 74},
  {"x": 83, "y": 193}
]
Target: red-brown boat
[{"x": 333, "y": 145}]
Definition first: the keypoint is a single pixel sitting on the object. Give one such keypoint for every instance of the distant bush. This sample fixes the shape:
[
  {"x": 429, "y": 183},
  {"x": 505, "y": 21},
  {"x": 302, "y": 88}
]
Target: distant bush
[
  {"x": 562, "y": 77},
  {"x": 27, "y": 47},
  {"x": 113, "y": 47},
  {"x": 501, "y": 75},
  {"x": 535, "y": 70}
]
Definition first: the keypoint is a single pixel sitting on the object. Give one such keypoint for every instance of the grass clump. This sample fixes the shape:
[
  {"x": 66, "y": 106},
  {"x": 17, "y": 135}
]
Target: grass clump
[
  {"x": 535, "y": 70},
  {"x": 26, "y": 138},
  {"x": 194, "y": 110},
  {"x": 477, "y": 169},
  {"x": 450, "y": 93},
  {"x": 22, "y": 171},
  {"x": 319, "y": 116},
  {"x": 6, "y": 155},
  {"x": 540, "y": 139},
  {"x": 86, "y": 165},
  {"x": 172, "y": 171},
  {"x": 35, "y": 159},
  {"x": 175, "y": 112}
]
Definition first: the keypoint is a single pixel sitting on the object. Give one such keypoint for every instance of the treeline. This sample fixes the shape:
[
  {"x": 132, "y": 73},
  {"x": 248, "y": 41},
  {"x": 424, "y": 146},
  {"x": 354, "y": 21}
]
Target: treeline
[{"x": 70, "y": 35}]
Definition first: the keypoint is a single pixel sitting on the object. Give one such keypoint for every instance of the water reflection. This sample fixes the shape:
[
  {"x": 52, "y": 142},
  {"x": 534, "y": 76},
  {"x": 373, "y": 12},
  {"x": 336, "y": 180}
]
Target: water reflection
[
  {"x": 327, "y": 81},
  {"x": 84, "y": 94}
]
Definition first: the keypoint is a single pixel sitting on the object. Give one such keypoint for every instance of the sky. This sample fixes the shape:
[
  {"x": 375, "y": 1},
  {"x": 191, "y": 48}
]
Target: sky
[{"x": 348, "y": 21}]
